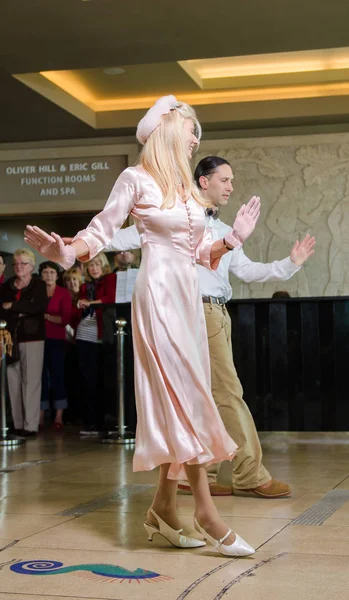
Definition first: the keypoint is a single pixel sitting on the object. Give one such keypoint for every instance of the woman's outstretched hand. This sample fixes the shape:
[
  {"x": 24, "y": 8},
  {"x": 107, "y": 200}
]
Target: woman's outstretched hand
[
  {"x": 50, "y": 246},
  {"x": 247, "y": 218}
]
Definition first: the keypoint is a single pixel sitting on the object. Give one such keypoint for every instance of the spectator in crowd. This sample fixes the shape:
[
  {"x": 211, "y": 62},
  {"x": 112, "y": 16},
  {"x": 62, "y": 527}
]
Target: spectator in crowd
[
  {"x": 127, "y": 271},
  {"x": 2, "y": 269},
  {"x": 79, "y": 268},
  {"x": 123, "y": 260},
  {"x": 72, "y": 279},
  {"x": 99, "y": 287},
  {"x": 23, "y": 301},
  {"x": 57, "y": 316}
]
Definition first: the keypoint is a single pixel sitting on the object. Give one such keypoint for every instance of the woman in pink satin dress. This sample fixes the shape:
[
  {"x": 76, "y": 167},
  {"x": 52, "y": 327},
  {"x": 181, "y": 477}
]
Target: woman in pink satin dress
[{"x": 179, "y": 428}]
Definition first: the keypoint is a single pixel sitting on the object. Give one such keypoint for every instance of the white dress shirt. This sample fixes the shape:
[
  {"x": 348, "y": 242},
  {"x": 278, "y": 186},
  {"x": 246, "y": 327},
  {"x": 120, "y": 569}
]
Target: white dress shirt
[{"x": 216, "y": 283}]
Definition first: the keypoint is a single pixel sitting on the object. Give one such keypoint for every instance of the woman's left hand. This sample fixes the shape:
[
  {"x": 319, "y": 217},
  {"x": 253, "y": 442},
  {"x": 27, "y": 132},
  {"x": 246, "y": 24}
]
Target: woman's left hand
[
  {"x": 7, "y": 305},
  {"x": 50, "y": 246}
]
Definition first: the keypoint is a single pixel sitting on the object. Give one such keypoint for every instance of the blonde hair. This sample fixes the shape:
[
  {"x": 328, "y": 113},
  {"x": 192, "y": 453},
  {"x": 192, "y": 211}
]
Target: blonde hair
[
  {"x": 28, "y": 253},
  {"x": 164, "y": 156},
  {"x": 72, "y": 272},
  {"x": 104, "y": 262}
]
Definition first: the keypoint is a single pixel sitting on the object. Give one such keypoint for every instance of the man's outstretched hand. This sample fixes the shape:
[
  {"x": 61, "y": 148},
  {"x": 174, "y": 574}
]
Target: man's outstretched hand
[
  {"x": 247, "y": 218},
  {"x": 301, "y": 251}
]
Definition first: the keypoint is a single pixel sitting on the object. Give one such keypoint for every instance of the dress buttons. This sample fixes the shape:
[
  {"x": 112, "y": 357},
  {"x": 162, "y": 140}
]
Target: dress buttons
[{"x": 191, "y": 236}]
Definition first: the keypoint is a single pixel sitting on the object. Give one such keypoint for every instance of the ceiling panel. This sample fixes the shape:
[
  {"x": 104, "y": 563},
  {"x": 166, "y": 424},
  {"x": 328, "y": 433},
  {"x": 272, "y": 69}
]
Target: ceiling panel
[
  {"x": 152, "y": 79},
  {"x": 68, "y": 34},
  {"x": 75, "y": 34}
]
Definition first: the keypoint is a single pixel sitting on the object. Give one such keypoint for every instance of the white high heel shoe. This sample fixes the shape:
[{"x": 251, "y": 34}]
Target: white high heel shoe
[
  {"x": 174, "y": 536},
  {"x": 238, "y": 548}
]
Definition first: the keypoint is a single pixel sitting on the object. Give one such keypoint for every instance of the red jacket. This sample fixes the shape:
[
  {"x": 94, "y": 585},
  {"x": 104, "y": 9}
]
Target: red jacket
[
  {"x": 105, "y": 292},
  {"x": 59, "y": 304}
]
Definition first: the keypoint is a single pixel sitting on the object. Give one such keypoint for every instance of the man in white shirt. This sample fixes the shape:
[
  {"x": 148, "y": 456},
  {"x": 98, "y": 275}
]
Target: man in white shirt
[{"x": 214, "y": 177}]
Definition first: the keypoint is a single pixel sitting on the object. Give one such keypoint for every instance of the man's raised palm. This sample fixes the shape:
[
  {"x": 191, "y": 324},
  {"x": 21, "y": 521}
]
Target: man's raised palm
[{"x": 301, "y": 251}]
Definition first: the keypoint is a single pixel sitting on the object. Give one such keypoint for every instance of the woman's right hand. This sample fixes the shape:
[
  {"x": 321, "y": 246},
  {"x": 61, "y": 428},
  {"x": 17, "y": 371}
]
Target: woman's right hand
[{"x": 50, "y": 246}]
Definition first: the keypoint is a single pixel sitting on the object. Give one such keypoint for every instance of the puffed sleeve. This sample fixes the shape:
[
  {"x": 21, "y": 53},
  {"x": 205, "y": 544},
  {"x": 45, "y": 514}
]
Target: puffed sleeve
[
  {"x": 203, "y": 251},
  {"x": 103, "y": 226}
]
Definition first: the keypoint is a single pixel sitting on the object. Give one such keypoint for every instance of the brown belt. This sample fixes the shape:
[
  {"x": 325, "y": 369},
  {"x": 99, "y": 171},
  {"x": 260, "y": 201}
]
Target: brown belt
[{"x": 213, "y": 300}]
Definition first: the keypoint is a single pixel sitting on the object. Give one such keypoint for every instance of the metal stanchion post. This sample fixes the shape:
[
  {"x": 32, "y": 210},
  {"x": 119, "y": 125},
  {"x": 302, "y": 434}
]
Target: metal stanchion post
[
  {"x": 121, "y": 435},
  {"x": 6, "y": 439}
]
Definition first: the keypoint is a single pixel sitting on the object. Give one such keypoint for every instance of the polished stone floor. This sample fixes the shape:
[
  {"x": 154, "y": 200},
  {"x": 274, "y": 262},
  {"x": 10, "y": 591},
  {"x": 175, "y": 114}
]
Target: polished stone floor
[{"x": 71, "y": 514}]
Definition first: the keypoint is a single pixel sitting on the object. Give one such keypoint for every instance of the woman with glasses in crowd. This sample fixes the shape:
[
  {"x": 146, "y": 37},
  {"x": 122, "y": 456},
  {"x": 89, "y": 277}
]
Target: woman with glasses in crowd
[
  {"x": 23, "y": 301},
  {"x": 57, "y": 316}
]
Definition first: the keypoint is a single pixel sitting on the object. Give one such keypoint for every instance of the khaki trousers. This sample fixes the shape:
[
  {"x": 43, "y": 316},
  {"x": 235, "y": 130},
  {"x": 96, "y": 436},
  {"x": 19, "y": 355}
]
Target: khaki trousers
[
  {"x": 24, "y": 383},
  {"x": 248, "y": 470}
]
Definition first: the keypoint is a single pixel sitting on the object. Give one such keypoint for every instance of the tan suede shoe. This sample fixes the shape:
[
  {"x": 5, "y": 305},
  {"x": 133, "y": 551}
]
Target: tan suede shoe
[
  {"x": 216, "y": 489},
  {"x": 272, "y": 489}
]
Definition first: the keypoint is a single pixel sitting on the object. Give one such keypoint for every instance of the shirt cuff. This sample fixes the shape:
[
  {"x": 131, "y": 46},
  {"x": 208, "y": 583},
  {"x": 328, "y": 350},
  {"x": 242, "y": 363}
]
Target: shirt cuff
[{"x": 288, "y": 266}]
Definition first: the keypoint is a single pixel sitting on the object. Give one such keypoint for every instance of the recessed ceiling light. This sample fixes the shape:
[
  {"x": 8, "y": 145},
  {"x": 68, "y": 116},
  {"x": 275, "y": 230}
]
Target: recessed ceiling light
[{"x": 113, "y": 71}]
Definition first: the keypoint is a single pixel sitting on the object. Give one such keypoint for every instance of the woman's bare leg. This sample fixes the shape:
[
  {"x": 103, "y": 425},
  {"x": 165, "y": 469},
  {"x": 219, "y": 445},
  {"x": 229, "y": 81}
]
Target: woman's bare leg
[
  {"x": 205, "y": 509},
  {"x": 164, "y": 503}
]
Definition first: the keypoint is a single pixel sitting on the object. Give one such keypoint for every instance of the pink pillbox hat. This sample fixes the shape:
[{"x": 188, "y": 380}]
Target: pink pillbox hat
[{"x": 152, "y": 118}]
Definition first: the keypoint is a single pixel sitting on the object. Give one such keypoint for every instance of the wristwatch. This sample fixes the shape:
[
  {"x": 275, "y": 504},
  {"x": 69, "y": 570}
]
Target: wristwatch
[{"x": 226, "y": 246}]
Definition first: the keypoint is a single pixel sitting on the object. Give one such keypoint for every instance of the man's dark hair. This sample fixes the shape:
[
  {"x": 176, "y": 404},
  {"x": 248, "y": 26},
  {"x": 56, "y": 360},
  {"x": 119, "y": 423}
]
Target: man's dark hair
[
  {"x": 208, "y": 165},
  {"x": 49, "y": 264}
]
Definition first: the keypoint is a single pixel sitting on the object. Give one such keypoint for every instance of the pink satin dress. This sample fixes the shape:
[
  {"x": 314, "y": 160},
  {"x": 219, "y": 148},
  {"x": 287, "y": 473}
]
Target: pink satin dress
[{"x": 177, "y": 418}]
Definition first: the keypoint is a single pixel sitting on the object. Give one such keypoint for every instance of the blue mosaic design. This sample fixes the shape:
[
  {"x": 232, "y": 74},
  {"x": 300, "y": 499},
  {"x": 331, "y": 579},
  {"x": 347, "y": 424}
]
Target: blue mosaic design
[{"x": 52, "y": 567}]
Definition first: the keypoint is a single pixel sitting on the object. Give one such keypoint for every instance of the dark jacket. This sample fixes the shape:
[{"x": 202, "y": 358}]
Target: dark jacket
[{"x": 26, "y": 316}]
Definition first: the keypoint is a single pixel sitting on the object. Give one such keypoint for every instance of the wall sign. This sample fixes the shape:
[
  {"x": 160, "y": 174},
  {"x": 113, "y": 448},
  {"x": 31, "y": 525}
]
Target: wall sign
[{"x": 66, "y": 180}]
